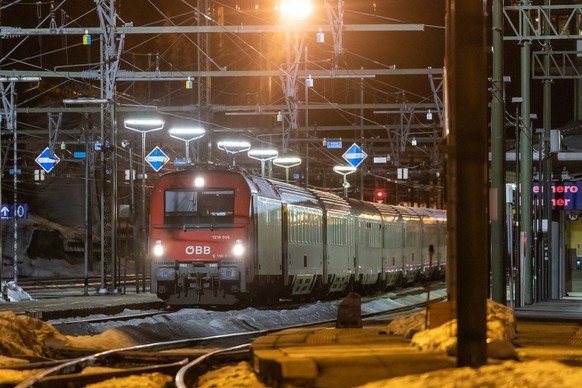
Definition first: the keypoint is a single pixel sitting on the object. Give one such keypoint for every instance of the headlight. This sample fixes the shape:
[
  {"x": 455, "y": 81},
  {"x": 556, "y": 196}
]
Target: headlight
[
  {"x": 238, "y": 248},
  {"x": 158, "y": 249}
]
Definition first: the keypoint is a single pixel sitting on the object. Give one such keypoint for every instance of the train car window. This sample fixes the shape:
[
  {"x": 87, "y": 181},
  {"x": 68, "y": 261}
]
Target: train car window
[
  {"x": 294, "y": 224},
  {"x": 191, "y": 207},
  {"x": 413, "y": 234},
  {"x": 375, "y": 236},
  {"x": 394, "y": 236}
]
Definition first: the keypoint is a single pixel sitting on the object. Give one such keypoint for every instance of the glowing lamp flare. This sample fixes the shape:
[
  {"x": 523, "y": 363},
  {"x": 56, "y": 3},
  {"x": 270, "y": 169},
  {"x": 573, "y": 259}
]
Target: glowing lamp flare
[
  {"x": 295, "y": 9},
  {"x": 238, "y": 248},
  {"x": 158, "y": 249}
]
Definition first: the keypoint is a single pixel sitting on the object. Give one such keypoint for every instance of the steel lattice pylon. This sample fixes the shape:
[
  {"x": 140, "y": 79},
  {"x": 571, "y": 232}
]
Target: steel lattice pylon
[{"x": 111, "y": 49}]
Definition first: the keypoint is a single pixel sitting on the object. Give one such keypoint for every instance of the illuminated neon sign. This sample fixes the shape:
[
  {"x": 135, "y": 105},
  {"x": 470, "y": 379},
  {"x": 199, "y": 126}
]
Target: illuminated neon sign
[{"x": 564, "y": 195}]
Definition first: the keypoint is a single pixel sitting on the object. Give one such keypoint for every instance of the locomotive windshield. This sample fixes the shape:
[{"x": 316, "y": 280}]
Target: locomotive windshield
[{"x": 199, "y": 208}]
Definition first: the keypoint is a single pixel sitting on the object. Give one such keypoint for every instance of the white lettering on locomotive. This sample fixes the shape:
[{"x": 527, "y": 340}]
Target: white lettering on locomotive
[{"x": 197, "y": 250}]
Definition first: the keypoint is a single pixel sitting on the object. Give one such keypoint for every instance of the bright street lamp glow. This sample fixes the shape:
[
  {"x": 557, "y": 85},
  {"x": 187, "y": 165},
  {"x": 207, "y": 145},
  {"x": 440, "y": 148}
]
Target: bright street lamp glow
[
  {"x": 295, "y": 9},
  {"x": 287, "y": 161},
  {"x": 187, "y": 133},
  {"x": 144, "y": 125},
  {"x": 263, "y": 154},
  {"x": 344, "y": 170},
  {"x": 233, "y": 146}
]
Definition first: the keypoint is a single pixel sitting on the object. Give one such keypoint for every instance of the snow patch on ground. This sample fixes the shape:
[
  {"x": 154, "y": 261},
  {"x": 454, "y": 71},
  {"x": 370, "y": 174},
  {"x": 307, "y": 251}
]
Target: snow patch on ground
[
  {"x": 501, "y": 331},
  {"x": 12, "y": 292},
  {"x": 24, "y": 335},
  {"x": 540, "y": 374}
]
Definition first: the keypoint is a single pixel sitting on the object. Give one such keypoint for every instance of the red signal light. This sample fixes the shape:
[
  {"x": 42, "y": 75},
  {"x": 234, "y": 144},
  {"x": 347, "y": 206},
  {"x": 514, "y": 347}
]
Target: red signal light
[{"x": 379, "y": 194}]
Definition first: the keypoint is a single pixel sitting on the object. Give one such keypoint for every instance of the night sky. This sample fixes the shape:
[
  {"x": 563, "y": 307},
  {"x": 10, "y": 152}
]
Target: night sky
[{"x": 369, "y": 50}]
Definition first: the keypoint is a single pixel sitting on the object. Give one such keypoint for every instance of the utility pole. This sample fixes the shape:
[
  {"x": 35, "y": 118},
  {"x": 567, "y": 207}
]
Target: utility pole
[
  {"x": 111, "y": 48},
  {"x": 497, "y": 211},
  {"x": 526, "y": 169},
  {"x": 466, "y": 80},
  {"x": 547, "y": 169}
]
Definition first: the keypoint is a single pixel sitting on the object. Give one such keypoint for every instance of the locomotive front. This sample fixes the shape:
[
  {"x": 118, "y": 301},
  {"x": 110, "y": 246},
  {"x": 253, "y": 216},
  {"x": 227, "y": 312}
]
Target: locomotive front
[{"x": 199, "y": 237}]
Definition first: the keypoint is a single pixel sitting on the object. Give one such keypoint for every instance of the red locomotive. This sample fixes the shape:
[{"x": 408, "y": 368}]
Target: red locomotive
[{"x": 220, "y": 236}]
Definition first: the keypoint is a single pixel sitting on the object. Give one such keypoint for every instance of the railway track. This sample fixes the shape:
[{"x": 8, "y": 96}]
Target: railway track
[
  {"x": 189, "y": 358},
  {"x": 50, "y": 288}
]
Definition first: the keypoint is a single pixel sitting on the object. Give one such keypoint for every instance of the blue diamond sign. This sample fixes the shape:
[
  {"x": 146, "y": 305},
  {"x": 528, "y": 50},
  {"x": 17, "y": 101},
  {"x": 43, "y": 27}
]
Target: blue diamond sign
[
  {"x": 157, "y": 158},
  {"x": 46, "y": 160},
  {"x": 355, "y": 155}
]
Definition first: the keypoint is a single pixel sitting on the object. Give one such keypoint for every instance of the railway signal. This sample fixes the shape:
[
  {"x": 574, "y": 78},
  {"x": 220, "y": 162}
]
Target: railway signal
[{"x": 379, "y": 195}]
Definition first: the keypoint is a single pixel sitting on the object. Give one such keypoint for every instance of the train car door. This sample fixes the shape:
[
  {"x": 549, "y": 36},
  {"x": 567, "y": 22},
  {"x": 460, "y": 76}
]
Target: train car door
[{"x": 269, "y": 236}]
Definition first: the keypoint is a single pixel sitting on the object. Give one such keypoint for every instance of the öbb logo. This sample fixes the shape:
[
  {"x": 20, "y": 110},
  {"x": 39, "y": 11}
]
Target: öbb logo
[{"x": 197, "y": 250}]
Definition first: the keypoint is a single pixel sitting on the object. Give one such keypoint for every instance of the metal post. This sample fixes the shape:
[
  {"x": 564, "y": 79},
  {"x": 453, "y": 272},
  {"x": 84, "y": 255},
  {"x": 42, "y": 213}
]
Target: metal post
[
  {"x": 539, "y": 245},
  {"x": 283, "y": 136},
  {"x": 525, "y": 151},
  {"x": 114, "y": 205},
  {"x": 111, "y": 49},
  {"x": 136, "y": 255},
  {"x": 2, "y": 289},
  {"x": 187, "y": 143},
  {"x": 103, "y": 288},
  {"x": 306, "y": 175},
  {"x": 15, "y": 185},
  {"x": 346, "y": 185},
  {"x": 510, "y": 245},
  {"x": 467, "y": 142},
  {"x": 362, "y": 135},
  {"x": 141, "y": 255},
  {"x": 86, "y": 215},
  {"x": 1, "y": 171},
  {"x": 516, "y": 268},
  {"x": 547, "y": 165},
  {"x": 497, "y": 212},
  {"x": 131, "y": 182}
]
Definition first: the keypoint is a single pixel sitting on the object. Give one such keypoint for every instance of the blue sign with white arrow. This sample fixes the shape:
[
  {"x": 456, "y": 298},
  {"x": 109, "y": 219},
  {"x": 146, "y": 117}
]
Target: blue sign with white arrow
[
  {"x": 46, "y": 160},
  {"x": 157, "y": 158},
  {"x": 7, "y": 211},
  {"x": 355, "y": 155}
]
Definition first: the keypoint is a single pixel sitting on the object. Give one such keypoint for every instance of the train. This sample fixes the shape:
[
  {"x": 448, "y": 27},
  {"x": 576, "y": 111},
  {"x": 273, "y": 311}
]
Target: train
[{"x": 220, "y": 235}]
